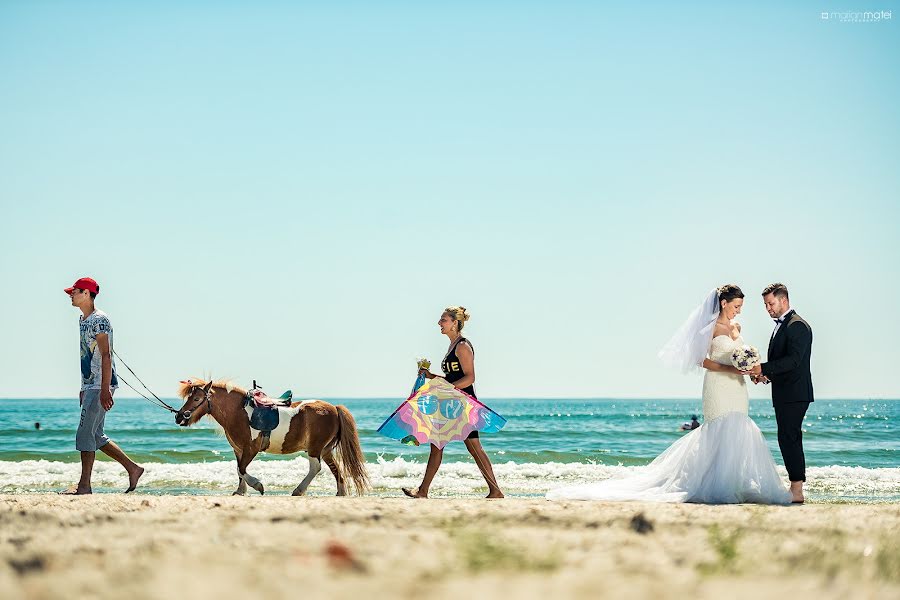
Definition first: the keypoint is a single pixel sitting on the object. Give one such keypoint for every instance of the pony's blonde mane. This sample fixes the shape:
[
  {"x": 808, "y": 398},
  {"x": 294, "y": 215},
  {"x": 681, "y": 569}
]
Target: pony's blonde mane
[{"x": 223, "y": 384}]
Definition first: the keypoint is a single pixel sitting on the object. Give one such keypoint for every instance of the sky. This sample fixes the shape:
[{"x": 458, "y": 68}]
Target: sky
[{"x": 293, "y": 191}]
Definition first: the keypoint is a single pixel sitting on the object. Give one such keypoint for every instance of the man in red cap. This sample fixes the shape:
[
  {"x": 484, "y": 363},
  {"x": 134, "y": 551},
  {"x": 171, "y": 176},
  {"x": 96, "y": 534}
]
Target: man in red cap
[{"x": 98, "y": 382}]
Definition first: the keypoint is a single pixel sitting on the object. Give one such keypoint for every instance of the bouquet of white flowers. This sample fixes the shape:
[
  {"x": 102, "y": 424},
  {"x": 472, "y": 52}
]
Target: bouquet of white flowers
[{"x": 745, "y": 358}]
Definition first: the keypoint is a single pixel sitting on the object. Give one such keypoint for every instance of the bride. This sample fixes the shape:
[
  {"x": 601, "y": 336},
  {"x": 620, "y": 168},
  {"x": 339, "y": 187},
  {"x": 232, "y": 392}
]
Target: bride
[{"x": 726, "y": 459}]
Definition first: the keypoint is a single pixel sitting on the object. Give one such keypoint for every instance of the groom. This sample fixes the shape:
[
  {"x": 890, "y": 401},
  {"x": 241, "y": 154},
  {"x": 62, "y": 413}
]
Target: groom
[{"x": 788, "y": 370}]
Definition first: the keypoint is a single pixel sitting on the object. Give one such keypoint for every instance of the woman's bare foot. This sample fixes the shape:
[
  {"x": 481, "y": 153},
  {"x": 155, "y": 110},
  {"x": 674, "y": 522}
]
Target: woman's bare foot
[
  {"x": 495, "y": 494},
  {"x": 133, "y": 477},
  {"x": 414, "y": 493},
  {"x": 76, "y": 491}
]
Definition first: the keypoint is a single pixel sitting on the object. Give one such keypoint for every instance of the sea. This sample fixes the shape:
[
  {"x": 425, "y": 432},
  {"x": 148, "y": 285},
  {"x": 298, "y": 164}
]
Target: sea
[{"x": 852, "y": 448}]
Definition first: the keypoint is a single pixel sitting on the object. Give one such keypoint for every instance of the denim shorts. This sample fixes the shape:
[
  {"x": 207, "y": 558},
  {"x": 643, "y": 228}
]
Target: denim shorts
[{"x": 90, "y": 436}]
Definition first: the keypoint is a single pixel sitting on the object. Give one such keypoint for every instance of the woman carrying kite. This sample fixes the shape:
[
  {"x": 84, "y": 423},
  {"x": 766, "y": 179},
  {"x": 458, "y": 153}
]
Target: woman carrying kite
[{"x": 447, "y": 409}]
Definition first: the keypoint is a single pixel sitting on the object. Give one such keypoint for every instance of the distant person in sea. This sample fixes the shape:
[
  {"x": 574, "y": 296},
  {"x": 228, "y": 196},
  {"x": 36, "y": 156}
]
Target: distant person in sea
[
  {"x": 790, "y": 348},
  {"x": 692, "y": 425},
  {"x": 98, "y": 383},
  {"x": 459, "y": 369},
  {"x": 37, "y": 426}
]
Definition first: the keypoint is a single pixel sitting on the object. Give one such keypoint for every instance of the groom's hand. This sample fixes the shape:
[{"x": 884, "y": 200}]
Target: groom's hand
[{"x": 756, "y": 371}]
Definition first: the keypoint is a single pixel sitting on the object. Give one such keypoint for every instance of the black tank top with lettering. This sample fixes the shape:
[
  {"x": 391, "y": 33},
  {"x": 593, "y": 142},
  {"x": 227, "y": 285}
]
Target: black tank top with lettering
[{"x": 453, "y": 370}]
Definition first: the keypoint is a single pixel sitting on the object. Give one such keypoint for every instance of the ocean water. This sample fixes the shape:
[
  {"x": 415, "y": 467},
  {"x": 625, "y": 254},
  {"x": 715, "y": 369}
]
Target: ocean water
[{"x": 852, "y": 448}]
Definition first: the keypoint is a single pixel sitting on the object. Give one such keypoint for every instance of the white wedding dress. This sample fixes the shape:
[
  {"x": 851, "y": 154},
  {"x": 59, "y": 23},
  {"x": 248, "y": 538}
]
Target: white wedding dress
[{"x": 724, "y": 461}]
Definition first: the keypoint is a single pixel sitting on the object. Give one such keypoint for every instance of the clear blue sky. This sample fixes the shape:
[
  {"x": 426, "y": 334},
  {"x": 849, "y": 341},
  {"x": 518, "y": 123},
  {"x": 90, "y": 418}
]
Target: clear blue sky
[{"x": 292, "y": 191}]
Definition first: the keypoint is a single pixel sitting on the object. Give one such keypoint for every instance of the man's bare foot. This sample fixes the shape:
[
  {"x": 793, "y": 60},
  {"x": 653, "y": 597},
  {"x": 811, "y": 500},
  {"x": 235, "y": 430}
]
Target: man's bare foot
[
  {"x": 76, "y": 491},
  {"x": 133, "y": 477},
  {"x": 414, "y": 493},
  {"x": 797, "y": 493},
  {"x": 497, "y": 494}
]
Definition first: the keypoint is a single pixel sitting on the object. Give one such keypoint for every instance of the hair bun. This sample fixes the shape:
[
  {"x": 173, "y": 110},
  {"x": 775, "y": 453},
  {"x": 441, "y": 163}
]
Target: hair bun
[
  {"x": 729, "y": 292},
  {"x": 459, "y": 313}
]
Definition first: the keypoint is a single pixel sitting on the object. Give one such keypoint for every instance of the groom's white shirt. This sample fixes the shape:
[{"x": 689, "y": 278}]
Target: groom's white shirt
[{"x": 778, "y": 325}]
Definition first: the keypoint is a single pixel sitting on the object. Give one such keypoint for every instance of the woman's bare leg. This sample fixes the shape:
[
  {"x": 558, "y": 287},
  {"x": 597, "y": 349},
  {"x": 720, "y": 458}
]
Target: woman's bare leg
[
  {"x": 434, "y": 462},
  {"x": 484, "y": 465}
]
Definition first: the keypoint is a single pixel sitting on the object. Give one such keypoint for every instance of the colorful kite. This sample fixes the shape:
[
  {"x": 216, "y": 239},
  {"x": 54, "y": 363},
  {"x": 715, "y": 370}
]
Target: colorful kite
[{"x": 438, "y": 413}]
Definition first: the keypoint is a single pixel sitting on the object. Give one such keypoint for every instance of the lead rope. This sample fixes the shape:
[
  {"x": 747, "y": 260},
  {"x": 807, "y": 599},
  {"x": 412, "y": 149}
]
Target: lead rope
[{"x": 158, "y": 402}]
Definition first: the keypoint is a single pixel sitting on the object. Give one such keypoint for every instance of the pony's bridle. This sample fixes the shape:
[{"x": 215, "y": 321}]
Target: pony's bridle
[{"x": 207, "y": 396}]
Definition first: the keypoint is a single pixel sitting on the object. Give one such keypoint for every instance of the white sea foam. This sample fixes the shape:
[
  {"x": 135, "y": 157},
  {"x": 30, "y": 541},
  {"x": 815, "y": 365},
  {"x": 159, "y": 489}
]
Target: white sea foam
[{"x": 388, "y": 476}]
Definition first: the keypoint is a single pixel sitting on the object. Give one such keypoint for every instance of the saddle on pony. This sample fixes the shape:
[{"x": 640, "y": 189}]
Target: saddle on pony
[{"x": 264, "y": 417}]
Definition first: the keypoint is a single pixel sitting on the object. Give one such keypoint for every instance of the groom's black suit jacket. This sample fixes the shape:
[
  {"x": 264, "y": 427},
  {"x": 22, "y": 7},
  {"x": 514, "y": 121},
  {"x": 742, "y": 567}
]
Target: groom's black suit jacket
[{"x": 788, "y": 366}]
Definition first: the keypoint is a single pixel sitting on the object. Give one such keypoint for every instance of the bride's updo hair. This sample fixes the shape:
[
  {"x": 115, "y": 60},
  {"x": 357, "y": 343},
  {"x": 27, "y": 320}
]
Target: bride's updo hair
[
  {"x": 729, "y": 292},
  {"x": 459, "y": 313}
]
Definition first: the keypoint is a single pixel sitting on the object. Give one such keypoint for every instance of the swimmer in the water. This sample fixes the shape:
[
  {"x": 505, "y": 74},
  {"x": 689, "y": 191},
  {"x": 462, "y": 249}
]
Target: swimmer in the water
[{"x": 694, "y": 424}]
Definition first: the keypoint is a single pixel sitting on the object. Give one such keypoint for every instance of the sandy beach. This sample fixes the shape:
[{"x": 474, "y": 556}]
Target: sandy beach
[{"x": 114, "y": 546}]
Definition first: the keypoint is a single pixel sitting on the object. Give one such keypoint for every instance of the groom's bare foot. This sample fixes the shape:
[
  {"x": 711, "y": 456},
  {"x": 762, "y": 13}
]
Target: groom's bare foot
[
  {"x": 415, "y": 493},
  {"x": 797, "y": 492},
  {"x": 76, "y": 491},
  {"x": 133, "y": 477}
]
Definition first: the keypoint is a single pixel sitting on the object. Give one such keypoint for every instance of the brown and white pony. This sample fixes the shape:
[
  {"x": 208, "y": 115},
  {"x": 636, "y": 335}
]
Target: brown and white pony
[{"x": 321, "y": 429}]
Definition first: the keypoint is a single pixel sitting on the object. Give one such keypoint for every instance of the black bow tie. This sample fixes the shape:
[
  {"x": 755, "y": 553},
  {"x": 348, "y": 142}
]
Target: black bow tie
[{"x": 779, "y": 321}]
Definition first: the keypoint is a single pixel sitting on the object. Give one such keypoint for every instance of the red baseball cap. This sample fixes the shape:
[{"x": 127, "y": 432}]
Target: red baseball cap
[{"x": 85, "y": 283}]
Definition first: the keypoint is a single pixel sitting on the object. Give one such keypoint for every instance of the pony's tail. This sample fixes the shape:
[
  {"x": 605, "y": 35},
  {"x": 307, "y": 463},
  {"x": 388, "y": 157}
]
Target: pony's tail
[{"x": 352, "y": 461}]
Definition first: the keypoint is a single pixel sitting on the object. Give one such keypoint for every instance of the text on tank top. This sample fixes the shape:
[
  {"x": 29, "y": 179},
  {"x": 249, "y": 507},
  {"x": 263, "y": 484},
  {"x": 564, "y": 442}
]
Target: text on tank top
[{"x": 452, "y": 369}]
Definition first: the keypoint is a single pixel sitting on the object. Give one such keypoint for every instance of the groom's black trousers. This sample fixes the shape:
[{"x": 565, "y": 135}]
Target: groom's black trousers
[{"x": 789, "y": 417}]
